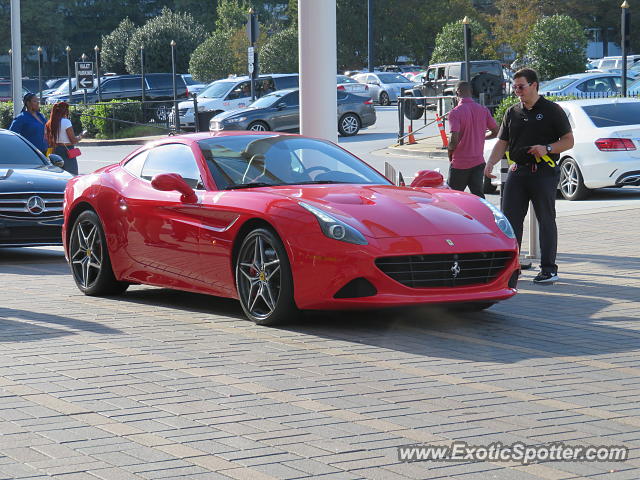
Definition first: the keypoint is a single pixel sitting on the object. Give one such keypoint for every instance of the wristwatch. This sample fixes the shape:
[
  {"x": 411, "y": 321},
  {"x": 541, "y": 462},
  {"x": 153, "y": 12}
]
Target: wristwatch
[{"x": 549, "y": 148}]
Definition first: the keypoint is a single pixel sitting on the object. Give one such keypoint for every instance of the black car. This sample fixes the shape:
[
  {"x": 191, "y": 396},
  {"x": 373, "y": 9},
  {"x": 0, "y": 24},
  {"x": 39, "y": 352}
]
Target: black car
[
  {"x": 31, "y": 194},
  {"x": 158, "y": 86}
]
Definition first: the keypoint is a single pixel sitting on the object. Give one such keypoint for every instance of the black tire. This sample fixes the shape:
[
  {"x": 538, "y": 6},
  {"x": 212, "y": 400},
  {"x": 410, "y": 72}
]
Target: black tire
[
  {"x": 413, "y": 109},
  {"x": 263, "y": 279},
  {"x": 258, "y": 126},
  {"x": 571, "y": 184},
  {"x": 488, "y": 187},
  {"x": 349, "y": 125},
  {"x": 383, "y": 99},
  {"x": 89, "y": 258}
]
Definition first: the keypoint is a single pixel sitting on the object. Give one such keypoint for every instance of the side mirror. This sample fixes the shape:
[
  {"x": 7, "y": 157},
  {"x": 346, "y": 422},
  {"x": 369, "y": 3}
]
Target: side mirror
[
  {"x": 56, "y": 160},
  {"x": 168, "y": 182},
  {"x": 428, "y": 178}
]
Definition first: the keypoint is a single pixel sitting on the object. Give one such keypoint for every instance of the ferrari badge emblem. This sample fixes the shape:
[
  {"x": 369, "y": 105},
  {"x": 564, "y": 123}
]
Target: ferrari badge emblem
[{"x": 450, "y": 242}]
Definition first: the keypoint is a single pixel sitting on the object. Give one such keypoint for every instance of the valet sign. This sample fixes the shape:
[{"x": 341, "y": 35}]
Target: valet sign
[{"x": 84, "y": 74}]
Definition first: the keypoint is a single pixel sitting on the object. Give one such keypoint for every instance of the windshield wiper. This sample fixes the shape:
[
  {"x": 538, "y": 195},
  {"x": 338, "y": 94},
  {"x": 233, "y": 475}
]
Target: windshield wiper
[
  {"x": 251, "y": 185},
  {"x": 318, "y": 182}
]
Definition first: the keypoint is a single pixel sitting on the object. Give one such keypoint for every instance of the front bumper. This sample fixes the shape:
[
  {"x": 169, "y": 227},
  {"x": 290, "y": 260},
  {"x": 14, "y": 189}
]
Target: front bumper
[
  {"x": 324, "y": 268},
  {"x": 25, "y": 233}
]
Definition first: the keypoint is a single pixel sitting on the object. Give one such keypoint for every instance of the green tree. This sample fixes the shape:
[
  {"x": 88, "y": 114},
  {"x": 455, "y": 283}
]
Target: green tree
[
  {"x": 449, "y": 46},
  {"x": 512, "y": 24},
  {"x": 556, "y": 46},
  {"x": 114, "y": 47},
  {"x": 280, "y": 53},
  {"x": 204, "y": 9},
  {"x": 232, "y": 15},
  {"x": 213, "y": 58},
  {"x": 156, "y": 35}
]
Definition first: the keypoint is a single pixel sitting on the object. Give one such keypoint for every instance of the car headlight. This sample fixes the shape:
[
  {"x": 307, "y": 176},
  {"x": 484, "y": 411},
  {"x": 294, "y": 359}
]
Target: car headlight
[
  {"x": 334, "y": 228},
  {"x": 235, "y": 120},
  {"x": 202, "y": 108},
  {"x": 501, "y": 220}
]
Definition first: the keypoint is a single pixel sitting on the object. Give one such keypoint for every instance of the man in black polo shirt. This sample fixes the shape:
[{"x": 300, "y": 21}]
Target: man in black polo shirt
[{"x": 533, "y": 134}]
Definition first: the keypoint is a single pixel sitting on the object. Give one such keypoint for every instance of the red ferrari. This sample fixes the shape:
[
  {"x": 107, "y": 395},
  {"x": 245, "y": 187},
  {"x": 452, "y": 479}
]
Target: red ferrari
[{"x": 283, "y": 223}]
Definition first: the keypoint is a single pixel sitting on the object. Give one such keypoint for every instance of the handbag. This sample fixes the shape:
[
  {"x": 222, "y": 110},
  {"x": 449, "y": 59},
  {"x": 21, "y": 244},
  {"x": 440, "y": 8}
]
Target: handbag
[{"x": 73, "y": 152}]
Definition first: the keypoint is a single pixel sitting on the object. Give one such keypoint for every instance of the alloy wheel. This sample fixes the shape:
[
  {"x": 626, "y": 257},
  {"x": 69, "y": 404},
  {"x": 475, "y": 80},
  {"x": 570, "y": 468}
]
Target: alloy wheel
[
  {"x": 259, "y": 276},
  {"x": 87, "y": 253},
  {"x": 258, "y": 127},
  {"x": 569, "y": 178},
  {"x": 350, "y": 125}
]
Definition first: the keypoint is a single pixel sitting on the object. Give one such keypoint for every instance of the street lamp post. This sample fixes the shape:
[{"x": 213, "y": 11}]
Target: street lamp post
[
  {"x": 16, "y": 57},
  {"x": 11, "y": 77},
  {"x": 175, "y": 89},
  {"x": 97, "y": 50},
  {"x": 68, "y": 50},
  {"x": 370, "y": 62},
  {"x": 142, "y": 85},
  {"x": 84, "y": 90},
  {"x": 40, "y": 73},
  {"x": 467, "y": 42},
  {"x": 624, "y": 27}
]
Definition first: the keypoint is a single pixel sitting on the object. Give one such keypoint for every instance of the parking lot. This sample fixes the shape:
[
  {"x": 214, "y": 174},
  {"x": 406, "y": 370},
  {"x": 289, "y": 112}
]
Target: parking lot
[{"x": 164, "y": 384}]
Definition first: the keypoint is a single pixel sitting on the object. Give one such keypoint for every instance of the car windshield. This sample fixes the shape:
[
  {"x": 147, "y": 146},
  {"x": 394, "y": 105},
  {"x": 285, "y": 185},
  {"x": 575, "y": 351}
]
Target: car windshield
[
  {"x": 614, "y": 114},
  {"x": 558, "y": 84},
  {"x": 246, "y": 161},
  {"x": 217, "y": 89},
  {"x": 392, "y": 78},
  {"x": 17, "y": 153},
  {"x": 268, "y": 100},
  {"x": 188, "y": 79}
]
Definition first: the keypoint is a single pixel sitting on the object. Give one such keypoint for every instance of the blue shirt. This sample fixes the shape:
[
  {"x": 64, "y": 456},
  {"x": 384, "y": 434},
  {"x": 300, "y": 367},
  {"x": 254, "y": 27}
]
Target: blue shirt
[{"x": 33, "y": 130}]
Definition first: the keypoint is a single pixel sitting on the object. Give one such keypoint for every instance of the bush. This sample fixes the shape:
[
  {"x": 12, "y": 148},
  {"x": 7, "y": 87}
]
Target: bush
[
  {"x": 280, "y": 53},
  {"x": 114, "y": 47},
  {"x": 213, "y": 59},
  {"x": 557, "y": 47},
  {"x": 156, "y": 35}
]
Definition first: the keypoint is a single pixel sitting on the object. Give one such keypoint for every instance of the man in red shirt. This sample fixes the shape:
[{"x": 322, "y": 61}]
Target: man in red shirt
[{"x": 468, "y": 123}]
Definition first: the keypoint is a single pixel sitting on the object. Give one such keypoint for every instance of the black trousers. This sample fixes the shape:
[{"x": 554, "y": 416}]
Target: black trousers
[
  {"x": 70, "y": 164},
  {"x": 539, "y": 187},
  {"x": 461, "y": 178}
]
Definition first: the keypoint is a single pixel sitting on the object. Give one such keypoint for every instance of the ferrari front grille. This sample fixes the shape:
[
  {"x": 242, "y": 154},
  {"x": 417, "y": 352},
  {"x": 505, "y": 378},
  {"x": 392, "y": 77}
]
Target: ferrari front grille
[{"x": 445, "y": 270}]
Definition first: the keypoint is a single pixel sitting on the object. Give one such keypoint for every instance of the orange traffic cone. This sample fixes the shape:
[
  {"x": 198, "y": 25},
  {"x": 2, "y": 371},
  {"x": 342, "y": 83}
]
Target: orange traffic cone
[
  {"x": 443, "y": 134},
  {"x": 412, "y": 139}
]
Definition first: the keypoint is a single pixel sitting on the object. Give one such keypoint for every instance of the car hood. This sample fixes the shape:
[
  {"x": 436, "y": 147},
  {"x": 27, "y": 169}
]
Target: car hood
[
  {"x": 388, "y": 211},
  {"x": 238, "y": 112},
  {"x": 44, "y": 179}
]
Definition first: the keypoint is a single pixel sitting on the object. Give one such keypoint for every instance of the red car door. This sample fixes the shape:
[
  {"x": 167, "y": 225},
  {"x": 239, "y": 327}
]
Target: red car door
[{"x": 162, "y": 231}]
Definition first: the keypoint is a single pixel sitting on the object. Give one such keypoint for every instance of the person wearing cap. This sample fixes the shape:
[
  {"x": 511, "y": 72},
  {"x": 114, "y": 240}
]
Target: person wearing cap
[{"x": 30, "y": 122}]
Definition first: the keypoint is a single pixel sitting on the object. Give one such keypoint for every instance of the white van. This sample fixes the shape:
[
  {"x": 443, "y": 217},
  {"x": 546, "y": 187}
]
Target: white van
[{"x": 230, "y": 94}]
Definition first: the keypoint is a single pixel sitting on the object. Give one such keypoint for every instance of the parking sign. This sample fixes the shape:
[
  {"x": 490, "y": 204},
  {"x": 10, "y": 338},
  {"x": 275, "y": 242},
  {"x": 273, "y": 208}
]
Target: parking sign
[{"x": 84, "y": 74}]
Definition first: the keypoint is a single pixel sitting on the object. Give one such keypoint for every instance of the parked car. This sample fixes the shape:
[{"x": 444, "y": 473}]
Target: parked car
[
  {"x": 384, "y": 87},
  {"x": 193, "y": 87},
  {"x": 158, "y": 86},
  {"x": 231, "y": 93},
  {"x": 351, "y": 85},
  {"x": 586, "y": 85},
  {"x": 31, "y": 193},
  {"x": 5, "y": 91},
  {"x": 606, "y": 152},
  {"x": 283, "y": 223},
  {"x": 607, "y": 63},
  {"x": 487, "y": 77},
  {"x": 280, "y": 112}
]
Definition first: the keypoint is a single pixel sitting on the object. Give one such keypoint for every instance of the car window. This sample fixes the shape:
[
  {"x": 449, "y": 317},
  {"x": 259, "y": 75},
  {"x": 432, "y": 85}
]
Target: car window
[
  {"x": 216, "y": 89},
  {"x": 164, "y": 81},
  {"x": 392, "y": 78},
  {"x": 614, "y": 114},
  {"x": 292, "y": 99},
  {"x": 130, "y": 84},
  {"x": 454, "y": 72},
  {"x": 611, "y": 63},
  {"x": 135, "y": 164},
  {"x": 557, "y": 84},
  {"x": 372, "y": 79},
  {"x": 441, "y": 73},
  {"x": 110, "y": 85},
  {"x": 18, "y": 153},
  {"x": 277, "y": 160},
  {"x": 345, "y": 79},
  {"x": 172, "y": 158},
  {"x": 597, "y": 85},
  {"x": 286, "y": 82},
  {"x": 188, "y": 79},
  {"x": 492, "y": 68},
  {"x": 431, "y": 74},
  {"x": 242, "y": 90}
]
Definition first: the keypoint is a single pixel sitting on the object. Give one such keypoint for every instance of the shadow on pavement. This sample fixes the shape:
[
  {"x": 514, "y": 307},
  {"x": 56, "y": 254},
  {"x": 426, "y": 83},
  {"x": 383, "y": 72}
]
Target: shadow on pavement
[
  {"x": 12, "y": 329},
  {"x": 30, "y": 261}
]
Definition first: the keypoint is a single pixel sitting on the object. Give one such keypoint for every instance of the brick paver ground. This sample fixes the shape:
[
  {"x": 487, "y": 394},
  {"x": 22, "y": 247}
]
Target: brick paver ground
[{"x": 163, "y": 384}]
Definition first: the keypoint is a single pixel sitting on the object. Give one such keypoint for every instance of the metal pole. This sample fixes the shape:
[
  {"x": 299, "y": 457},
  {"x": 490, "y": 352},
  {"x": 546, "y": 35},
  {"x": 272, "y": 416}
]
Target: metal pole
[
  {"x": 11, "y": 77},
  {"x": 175, "y": 91},
  {"x": 534, "y": 238},
  {"x": 467, "y": 37},
  {"x": 624, "y": 27},
  {"x": 317, "y": 47},
  {"x": 195, "y": 112},
  {"x": 16, "y": 57},
  {"x": 142, "y": 83},
  {"x": 40, "y": 73},
  {"x": 97, "y": 50},
  {"x": 68, "y": 50},
  {"x": 370, "y": 61},
  {"x": 84, "y": 90}
]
